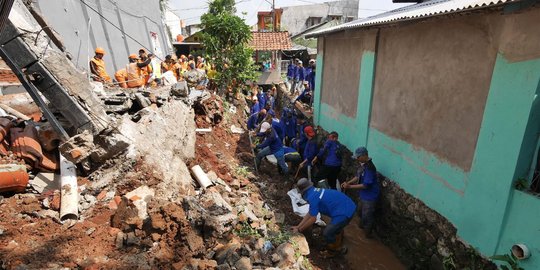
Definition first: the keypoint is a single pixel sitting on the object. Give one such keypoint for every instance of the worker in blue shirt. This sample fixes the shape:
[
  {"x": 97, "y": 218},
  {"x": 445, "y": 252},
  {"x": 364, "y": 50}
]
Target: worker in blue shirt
[
  {"x": 330, "y": 155},
  {"x": 289, "y": 124},
  {"x": 295, "y": 76},
  {"x": 256, "y": 105},
  {"x": 270, "y": 97},
  {"x": 292, "y": 156},
  {"x": 255, "y": 119},
  {"x": 331, "y": 203},
  {"x": 261, "y": 96},
  {"x": 366, "y": 181},
  {"x": 278, "y": 126},
  {"x": 310, "y": 150},
  {"x": 271, "y": 146},
  {"x": 290, "y": 71},
  {"x": 300, "y": 77},
  {"x": 310, "y": 77},
  {"x": 301, "y": 139}
]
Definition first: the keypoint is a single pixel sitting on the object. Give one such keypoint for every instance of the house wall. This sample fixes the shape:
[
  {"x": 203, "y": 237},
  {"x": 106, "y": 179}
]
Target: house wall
[
  {"x": 71, "y": 19},
  {"x": 447, "y": 108}
]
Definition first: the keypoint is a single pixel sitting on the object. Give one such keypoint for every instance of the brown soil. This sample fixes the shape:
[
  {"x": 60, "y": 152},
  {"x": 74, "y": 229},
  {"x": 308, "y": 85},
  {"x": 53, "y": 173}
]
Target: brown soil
[{"x": 168, "y": 240}]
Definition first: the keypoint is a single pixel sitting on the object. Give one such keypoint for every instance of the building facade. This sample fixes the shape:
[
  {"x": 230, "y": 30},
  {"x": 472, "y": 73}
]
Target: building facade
[
  {"x": 120, "y": 27},
  {"x": 447, "y": 106},
  {"x": 296, "y": 19}
]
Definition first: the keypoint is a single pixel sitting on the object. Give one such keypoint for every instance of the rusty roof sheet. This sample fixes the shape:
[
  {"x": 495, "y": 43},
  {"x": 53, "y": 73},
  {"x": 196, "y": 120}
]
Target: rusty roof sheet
[
  {"x": 270, "y": 41},
  {"x": 422, "y": 10}
]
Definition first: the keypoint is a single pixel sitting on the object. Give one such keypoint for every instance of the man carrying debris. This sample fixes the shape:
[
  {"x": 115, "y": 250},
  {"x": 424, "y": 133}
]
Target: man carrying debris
[
  {"x": 331, "y": 156},
  {"x": 366, "y": 181},
  {"x": 135, "y": 75},
  {"x": 97, "y": 67},
  {"x": 331, "y": 203},
  {"x": 271, "y": 145},
  {"x": 255, "y": 119}
]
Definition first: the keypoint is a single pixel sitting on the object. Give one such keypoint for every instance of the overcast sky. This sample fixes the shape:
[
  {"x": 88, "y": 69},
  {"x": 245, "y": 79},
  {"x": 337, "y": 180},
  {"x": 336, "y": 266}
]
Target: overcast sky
[{"x": 191, "y": 10}]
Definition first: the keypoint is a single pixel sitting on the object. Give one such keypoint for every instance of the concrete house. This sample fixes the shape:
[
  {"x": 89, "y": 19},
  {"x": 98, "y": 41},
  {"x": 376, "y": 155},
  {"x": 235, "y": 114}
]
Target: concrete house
[
  {"x": 296, "y": 19},
  {"x": 444, "y": 96}
]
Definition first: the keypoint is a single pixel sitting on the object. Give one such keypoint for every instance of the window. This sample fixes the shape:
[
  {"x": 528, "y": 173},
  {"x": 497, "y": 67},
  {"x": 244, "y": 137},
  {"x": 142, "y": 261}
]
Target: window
[
  {"x": 349, "y": 19},
  {"x": 334, "y": 17},
  {"x": 311, "y": 21}
]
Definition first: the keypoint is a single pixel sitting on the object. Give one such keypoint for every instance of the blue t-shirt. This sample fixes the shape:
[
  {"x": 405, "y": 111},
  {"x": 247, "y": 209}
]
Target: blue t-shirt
[
  {"x": 254, "y": 120},
  {"x": 368, "y": 177},
  {"x": 330, "y": 153},
  {"x": 278, "y": 127},
  {"x": 310, "y": 151},
  {"x": 338, "y": 206},
  {"x": 272, "y": 140}
]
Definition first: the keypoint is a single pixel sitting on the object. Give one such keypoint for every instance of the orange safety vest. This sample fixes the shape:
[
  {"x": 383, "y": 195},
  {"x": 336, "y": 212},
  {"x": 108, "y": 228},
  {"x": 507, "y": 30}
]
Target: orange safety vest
[
  {"x": 134, "y": 75},
  {"x": 146, "y": 71},
  {"x": 100, "y": 70},
  {"x": 121, "y": 77}
]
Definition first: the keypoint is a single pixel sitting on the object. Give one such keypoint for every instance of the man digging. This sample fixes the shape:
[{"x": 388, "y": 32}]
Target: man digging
[{"x": 331, "y": 203}]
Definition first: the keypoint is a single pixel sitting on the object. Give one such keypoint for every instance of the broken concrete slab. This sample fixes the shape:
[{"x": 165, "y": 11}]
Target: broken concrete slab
[{"x": 45, "y": 181}]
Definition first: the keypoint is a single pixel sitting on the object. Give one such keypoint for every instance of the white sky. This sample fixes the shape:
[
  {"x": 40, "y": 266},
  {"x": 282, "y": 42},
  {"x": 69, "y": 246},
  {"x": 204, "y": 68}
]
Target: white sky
[{"x": 191, "y": 10}]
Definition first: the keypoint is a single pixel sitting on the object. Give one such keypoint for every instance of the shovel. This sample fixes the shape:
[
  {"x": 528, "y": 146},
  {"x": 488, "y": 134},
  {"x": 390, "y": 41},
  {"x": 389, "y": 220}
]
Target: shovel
[{"x": 253, "y": 152}]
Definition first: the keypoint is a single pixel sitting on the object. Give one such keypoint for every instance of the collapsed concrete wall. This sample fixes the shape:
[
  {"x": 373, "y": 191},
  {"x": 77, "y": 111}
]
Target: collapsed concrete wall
[{"x": 68, "y": 91}]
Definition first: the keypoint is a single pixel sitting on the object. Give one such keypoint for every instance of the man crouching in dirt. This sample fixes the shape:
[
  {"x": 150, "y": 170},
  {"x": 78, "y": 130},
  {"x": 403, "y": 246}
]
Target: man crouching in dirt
[
  {"x": 271, "y": 145},
  {"x": 338, "y": 206}
]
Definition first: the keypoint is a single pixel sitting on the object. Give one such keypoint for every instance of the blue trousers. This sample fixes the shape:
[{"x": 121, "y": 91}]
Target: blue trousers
[
  {"x": 367, "y": 215},
  {"x": 279, "y": 156},
  {"x": 332, "y": 230}
]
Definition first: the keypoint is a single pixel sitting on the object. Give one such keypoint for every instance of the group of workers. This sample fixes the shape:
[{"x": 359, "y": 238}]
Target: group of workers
[
  {"x": 144, "y": 69},
  {"x": 294, "y": 143},
  {"x": 302, "y": 80}
]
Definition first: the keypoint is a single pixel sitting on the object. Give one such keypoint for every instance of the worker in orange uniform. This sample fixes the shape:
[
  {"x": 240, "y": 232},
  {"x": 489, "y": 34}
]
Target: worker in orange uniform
[
  {"x": 147, "y": 71},
  {"x": 121, "y": 77},
  {"x": 97, "y": 67},
  {"x": 170, "y": 65},
  {"x": 135, "y": 75}
]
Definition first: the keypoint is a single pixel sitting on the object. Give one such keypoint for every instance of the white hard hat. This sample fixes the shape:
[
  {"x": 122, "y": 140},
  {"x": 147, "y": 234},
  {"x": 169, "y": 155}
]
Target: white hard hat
[{"x": 265, "y": 126}]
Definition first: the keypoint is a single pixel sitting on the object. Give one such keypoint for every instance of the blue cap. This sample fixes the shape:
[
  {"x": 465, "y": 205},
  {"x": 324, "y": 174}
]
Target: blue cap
[{"x": 360, "y": 151}]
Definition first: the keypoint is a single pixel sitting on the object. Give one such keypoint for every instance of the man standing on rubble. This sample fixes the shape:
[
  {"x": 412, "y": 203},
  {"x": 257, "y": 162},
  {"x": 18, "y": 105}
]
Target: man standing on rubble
[
  {"x": 332, "y": 203},
  {"x": 97, "y": 67},
  {"x": 271, "y": 145},
  {"x": 366, "y": 181},
  {"x": 134, "y": 71}
]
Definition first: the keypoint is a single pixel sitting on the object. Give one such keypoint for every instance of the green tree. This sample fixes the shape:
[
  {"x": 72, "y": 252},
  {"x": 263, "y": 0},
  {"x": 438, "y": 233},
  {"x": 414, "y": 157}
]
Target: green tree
[{"x": 225, "y": 38}]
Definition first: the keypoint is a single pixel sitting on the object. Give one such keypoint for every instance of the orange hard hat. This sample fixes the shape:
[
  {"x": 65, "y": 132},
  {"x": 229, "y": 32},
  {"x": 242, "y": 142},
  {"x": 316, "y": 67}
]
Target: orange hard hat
[
  {"x": 100, "y": 50},
  {"x": 133, "y": 56}
]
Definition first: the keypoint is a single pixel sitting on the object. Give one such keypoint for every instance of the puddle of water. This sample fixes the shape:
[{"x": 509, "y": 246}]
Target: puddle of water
[{"x": 368, "y": 254}]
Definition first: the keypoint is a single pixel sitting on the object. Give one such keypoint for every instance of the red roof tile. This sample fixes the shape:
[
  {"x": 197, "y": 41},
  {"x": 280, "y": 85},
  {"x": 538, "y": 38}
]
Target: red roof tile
[
  {"x": 270, "y": 41},
  {"x": 7, "y": 76}
]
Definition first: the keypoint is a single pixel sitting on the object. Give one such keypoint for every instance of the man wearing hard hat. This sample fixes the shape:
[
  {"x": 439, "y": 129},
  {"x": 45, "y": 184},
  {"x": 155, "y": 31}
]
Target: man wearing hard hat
[{"x": 97, "y": 67}]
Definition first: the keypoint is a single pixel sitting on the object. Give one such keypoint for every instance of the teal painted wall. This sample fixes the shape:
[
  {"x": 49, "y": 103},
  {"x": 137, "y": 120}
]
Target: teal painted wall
[{"x": 482, "y": 203}]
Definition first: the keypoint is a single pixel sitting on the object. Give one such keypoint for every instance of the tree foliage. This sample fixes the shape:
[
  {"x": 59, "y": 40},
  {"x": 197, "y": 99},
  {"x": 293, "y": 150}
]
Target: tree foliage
[{"x": 225, "y": 38}]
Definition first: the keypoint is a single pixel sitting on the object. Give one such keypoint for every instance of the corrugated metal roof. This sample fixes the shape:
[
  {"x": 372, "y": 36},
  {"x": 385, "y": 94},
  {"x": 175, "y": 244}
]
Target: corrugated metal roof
[{"x": 421, "y": 10}]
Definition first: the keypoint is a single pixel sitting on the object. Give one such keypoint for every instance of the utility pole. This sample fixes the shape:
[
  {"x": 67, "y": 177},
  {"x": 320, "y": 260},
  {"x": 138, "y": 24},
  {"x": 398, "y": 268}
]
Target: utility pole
[{"x": 274, "y": 15}]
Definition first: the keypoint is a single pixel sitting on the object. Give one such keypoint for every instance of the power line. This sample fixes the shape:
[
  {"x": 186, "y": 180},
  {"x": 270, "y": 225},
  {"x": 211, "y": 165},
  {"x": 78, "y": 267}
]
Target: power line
[{"x": 118, "y": 28}]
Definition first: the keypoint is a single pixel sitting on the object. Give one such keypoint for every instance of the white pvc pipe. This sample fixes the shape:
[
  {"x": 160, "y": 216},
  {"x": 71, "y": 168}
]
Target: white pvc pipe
[
  {"x": 69, "y": 193},
  {"x": 201, "y": 176}
]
